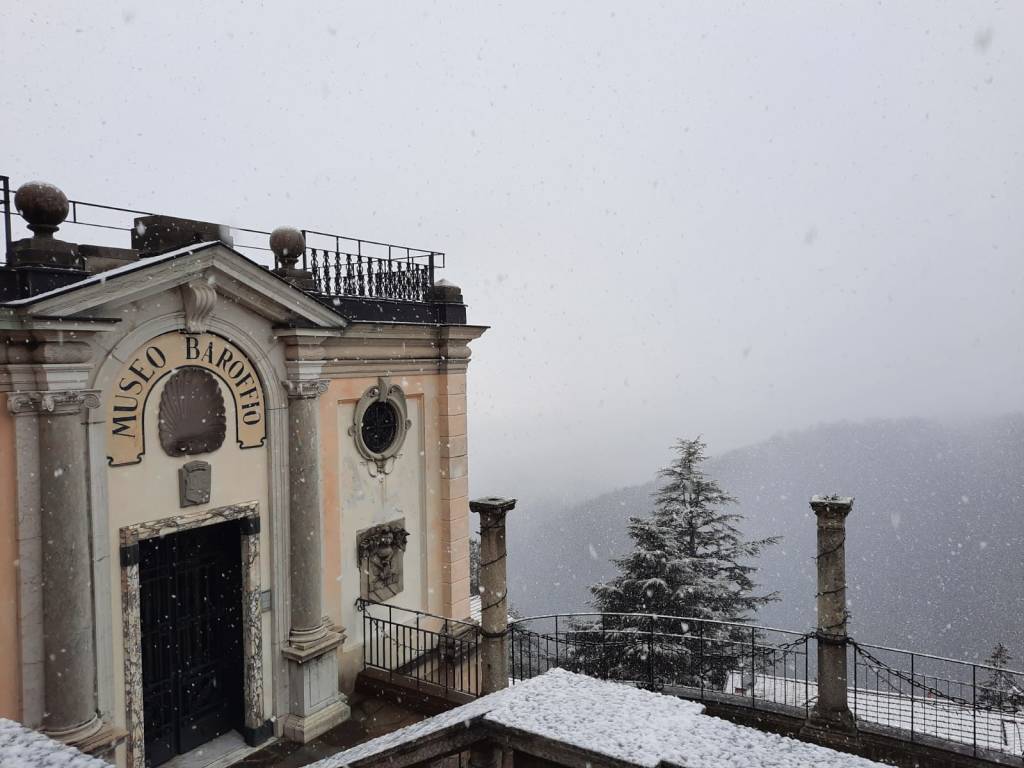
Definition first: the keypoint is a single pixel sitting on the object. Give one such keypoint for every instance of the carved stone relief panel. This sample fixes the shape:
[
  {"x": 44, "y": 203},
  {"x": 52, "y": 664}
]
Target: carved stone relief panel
[{"x": 380, "y": 550}]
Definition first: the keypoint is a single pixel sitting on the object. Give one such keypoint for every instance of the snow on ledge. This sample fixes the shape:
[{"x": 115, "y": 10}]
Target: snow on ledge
[
  {"x": 25, "y": 748},
  {"x": 617, "y": 721}
]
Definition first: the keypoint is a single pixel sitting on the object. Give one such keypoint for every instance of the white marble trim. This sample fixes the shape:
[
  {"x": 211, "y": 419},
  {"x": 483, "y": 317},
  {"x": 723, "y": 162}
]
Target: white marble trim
[
  {"x": 131, "y": 608},
  {"x": 252, "y": 630},
  {"x": 133, "y": 717}
]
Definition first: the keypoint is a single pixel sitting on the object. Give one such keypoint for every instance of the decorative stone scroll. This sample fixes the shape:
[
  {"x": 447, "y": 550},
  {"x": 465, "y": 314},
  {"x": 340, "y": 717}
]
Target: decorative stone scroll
[
  {"x": 380, "y": 550},
  {"x": 162, "y": 356},
  {"x": 379, "y": 444},
  {"x": 305, "y": 389},
  {"x": 199, "y": 298}
]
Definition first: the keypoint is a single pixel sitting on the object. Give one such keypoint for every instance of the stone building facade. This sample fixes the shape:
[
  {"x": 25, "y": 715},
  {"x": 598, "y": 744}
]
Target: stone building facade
[{"x": 204, "y": 463}]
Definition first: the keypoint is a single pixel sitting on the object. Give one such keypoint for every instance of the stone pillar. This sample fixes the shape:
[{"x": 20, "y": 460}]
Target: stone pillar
[
  {"x": 69, "y": 654},
  {"x": 493, "y": 592},
  {"x": 832, "y": 711},
  {"x": 305, "y": 528},
  {"x": 316, "y": 705},
  {"x": 55, "y": 536}
]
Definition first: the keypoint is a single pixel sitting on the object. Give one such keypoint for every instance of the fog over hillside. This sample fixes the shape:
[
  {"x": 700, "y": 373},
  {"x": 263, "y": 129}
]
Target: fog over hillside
[{"x": 935, "y": 547}]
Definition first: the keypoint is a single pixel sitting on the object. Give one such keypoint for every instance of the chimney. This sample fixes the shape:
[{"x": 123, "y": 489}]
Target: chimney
[{"x": 153, "y": 235}]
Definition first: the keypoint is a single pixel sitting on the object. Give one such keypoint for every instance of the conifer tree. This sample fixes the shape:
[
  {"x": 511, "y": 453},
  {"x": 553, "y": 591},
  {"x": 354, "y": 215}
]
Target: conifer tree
[
  {"x": 1001, "y": 689},
  {"x": 689, "y": 560}
]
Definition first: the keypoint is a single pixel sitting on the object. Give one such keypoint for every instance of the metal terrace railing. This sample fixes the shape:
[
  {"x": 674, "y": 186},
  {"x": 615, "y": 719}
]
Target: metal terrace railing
[
  {"x": 926, "y": 697},
  {"x": 908, "y": 696},
  {"x": 421, "y": 649},
  {"x": 340, "y": 265},
  {"x": 918, "y": 697},
  {"x": 695, "y": 658},
  {"x": 350, "y": 268}
]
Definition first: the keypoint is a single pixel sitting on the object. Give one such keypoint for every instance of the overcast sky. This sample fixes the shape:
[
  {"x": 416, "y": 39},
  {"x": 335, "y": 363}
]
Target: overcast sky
[{"x": 682, "y": 218}]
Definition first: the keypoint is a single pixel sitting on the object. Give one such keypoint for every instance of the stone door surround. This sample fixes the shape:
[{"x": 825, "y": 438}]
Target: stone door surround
[{"x": 255, "y": 729}]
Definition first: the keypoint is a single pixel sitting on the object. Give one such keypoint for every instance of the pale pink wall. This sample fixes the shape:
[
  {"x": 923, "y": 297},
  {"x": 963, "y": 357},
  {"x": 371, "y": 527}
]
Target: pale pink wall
[
  {"x": 10, "y": 651},
  {"x": 445, "y": 467}
]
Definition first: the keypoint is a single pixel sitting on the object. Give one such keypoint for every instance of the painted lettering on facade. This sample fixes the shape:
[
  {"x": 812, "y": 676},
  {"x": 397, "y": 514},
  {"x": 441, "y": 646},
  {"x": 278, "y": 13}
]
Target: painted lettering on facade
[{"x": 161, "y": 356}]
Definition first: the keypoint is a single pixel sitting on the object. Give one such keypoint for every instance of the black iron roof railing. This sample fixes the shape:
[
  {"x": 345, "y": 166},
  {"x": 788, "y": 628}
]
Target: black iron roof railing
[{"x": 340, "y": 265}]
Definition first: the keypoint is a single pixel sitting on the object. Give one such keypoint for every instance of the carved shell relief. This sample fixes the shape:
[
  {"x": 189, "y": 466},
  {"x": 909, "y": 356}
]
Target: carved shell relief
[
  {"x": 192, "y": 416},
  {"x": 379, "y": 426}
]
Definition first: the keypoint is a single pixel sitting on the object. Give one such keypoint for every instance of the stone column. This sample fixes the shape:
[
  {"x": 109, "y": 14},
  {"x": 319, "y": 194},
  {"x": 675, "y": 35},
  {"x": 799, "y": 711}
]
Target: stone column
[
  {"x": 316, "y": 705},
  {"x": 69, "y": 654},
  {"x": 493, "y": 592},
  {"x": 305, "y": 528},
  {"x": 832, "y": 711}
]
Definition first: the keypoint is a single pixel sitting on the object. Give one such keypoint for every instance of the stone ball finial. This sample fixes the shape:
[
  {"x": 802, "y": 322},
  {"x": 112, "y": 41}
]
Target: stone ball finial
[
  {"x": 288, "y": 245},
  {"x": 43, "y": 205}
]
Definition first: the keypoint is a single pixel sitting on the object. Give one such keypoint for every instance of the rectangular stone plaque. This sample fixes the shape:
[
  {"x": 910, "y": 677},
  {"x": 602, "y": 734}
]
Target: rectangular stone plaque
[{"x": 194, "y": 481}]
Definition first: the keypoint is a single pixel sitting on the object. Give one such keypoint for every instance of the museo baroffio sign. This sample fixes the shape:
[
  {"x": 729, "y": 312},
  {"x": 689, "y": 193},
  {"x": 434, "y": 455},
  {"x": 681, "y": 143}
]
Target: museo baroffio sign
[{"x": 161, "y": 356}]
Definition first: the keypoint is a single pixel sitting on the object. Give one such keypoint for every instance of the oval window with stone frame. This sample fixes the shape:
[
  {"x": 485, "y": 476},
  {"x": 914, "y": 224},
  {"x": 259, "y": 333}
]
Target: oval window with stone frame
[
  {"x": 380, "y": 423},
  {"x": 380, "y": 426}
]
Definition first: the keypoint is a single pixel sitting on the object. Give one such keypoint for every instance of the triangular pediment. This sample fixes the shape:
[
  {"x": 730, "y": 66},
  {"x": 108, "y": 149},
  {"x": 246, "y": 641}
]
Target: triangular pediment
[{"x": 230, "y": 274}]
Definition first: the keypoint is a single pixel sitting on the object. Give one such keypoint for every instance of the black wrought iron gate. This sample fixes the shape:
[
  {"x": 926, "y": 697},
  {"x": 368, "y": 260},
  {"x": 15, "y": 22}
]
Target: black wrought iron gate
[{"x": 192, "y": 658}]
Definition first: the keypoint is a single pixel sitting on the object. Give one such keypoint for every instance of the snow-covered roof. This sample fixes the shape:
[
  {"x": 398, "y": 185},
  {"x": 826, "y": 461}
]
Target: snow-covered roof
[
  {"x": 615, "y": 721},
  {"x": 102, "y": 277},
  {"x": 22, "y": 747}
]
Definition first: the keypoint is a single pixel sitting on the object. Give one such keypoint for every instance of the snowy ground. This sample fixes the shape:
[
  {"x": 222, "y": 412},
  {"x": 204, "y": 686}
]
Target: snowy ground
[
  {"x": 938, "y": 717},
  {"x": 617, "y": 721},
  {"x": 21, "y": 747}
]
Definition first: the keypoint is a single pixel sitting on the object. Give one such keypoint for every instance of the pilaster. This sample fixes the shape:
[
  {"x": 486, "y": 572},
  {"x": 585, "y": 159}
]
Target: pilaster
[
  {"x": 30, "y": 559},
  {"x": 454, "y": 467}
]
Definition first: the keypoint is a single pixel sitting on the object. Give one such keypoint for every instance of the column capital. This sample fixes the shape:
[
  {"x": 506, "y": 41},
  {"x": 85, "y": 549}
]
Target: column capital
[
  {"x": 834, "y": 506},
  {"x": 305, "y": 389},
  {"x": 52, "y": 401},
  {"x": 492, "y": 505}
]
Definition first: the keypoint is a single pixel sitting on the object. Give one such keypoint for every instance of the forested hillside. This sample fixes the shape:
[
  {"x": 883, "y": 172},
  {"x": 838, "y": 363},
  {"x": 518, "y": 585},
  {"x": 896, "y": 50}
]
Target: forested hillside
[{"x": 935, "y": 541}]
